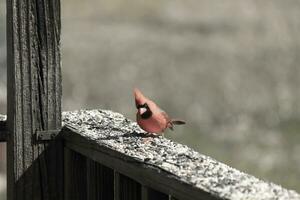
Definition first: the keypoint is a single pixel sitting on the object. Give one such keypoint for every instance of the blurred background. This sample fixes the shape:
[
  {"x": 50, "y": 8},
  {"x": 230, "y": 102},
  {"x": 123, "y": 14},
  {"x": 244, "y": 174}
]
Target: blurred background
[{"x": 229, "y": 68}]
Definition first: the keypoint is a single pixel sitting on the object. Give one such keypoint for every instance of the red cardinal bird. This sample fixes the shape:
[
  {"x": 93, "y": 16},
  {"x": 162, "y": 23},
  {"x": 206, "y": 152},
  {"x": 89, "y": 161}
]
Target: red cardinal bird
[{"x": 150, "y": 117}]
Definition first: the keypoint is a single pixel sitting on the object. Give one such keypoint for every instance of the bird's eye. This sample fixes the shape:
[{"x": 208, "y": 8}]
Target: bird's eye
[{"x": 148, "y": 112}]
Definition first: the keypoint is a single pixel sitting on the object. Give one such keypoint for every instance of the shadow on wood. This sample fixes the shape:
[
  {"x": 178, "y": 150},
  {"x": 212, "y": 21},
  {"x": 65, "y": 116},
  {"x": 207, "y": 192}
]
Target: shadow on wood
[{"x": 41, "y": 176}]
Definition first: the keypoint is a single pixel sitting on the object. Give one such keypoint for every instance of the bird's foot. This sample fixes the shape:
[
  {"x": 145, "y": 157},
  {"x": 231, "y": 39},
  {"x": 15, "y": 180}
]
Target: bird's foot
[
  {"x": 147, "y": 140},
  {"x": 149, "y": 137}
]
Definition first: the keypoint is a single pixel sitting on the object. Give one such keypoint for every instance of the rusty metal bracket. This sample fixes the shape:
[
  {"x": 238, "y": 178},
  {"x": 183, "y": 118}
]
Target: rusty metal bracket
[{"x": 46, "y": 135}]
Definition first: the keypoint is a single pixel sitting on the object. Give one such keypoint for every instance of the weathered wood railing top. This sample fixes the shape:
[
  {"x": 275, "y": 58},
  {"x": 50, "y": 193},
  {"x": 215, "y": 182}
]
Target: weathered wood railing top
[{"x": 113, "y": 140}]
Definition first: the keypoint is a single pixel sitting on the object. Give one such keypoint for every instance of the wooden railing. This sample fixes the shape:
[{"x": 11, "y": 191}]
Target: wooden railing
[
  {"x": 96, "y": 154},
  {"x": 107, "y": 156}
]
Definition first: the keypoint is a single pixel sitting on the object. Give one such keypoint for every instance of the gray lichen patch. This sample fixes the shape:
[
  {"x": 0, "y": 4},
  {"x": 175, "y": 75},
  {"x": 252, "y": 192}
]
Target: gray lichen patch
[{"x": 116, "y": 132}]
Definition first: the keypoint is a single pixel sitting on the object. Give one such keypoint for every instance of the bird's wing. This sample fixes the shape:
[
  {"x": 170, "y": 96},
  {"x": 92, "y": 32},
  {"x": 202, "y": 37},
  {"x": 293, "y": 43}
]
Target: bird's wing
[
  {"x": 168, "y": 120},
  {"x": 166, "y": 116}
]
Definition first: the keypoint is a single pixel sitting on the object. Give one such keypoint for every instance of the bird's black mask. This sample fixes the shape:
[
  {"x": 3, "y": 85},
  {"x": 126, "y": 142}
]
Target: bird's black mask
[{"x": 148, "y": 112}]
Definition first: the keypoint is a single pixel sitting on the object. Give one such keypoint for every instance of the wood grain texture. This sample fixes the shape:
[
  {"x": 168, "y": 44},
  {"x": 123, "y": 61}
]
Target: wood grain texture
[{"x": 33, "y": 98}]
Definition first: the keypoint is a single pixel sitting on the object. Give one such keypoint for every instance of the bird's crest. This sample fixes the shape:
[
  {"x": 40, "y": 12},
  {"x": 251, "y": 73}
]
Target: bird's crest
[{"x": 140, "y": 99}]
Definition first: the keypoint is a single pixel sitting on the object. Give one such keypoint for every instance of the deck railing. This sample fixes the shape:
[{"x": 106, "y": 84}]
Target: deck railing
[
  {"x": 96, "y": 154},
  {"x": 107, "y": 156}
]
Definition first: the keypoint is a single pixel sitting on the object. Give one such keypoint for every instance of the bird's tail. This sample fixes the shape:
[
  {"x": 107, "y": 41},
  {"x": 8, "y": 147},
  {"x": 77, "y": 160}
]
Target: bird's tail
[{"x": 177, "y": 122}]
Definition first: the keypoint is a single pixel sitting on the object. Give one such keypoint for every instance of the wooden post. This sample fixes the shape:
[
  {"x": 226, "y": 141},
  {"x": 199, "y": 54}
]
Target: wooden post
[{"x": 34, "y": 169}]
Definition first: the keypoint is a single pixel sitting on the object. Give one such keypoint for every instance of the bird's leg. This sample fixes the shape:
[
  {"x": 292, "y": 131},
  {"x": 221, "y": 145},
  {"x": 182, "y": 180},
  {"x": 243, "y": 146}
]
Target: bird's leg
[
  {"x": 149, "y": 137},
  {"x": 147, "y": 140}
]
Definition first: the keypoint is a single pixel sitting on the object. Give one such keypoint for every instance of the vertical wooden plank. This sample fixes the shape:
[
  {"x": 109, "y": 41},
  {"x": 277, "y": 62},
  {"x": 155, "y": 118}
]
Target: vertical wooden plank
[
  {"x": 75, "y": 175},
  {"x": 100, "y": 181},
  {"x": 151, "y": 194},
  {"x": 117, "y": 185},
  {"x": 126, "y": 188},
  {"x": 145, "y": 195},
  {"x": 34, "y": 169},
  {"x": 92, "y": 180}
]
